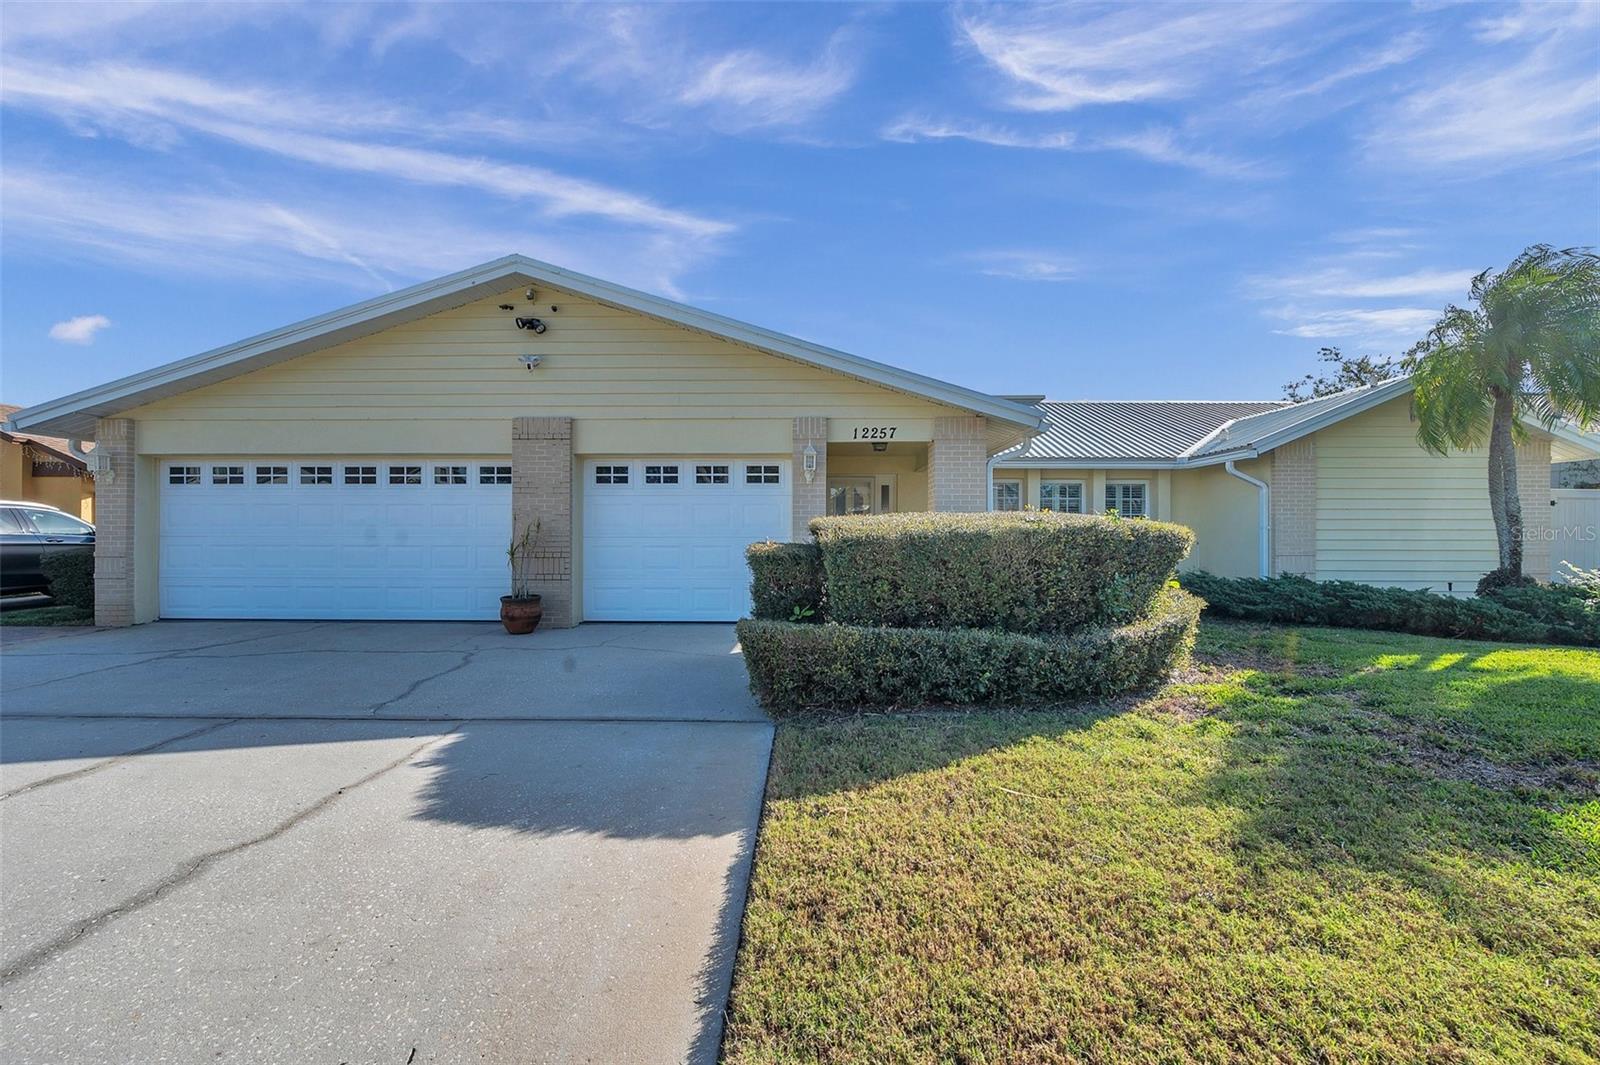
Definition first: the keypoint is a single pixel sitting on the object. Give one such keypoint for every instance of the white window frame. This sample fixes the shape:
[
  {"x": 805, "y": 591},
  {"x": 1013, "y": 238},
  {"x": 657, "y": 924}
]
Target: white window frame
[
  {"x": 713, "y": 473},
  {"x": 764, "y": 473},
  {"x": 663, "y": 474},
  {"x": 612, "y": 474},
  {"x": 450, "y": 475},
  {"x": 316, "y": 474},
  {"x": 494, "y": 473},
  {"x": 272, "y": 475},
  {"x": 227, "y": 475},
  {"x": 409, "y": 474},
  {"x": 1082, "y": 494},
  {"x": 995, "y": 501},
  {"x": 183, "y": 475},
  {"x": 360, "y": 475},
  {"x": 1144, "y": 497}
]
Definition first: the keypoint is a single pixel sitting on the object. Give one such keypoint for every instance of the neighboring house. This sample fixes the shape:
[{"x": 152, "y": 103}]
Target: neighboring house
[
  {"x": 373, "y": 462},
  {"x": 41, "y": 469}
]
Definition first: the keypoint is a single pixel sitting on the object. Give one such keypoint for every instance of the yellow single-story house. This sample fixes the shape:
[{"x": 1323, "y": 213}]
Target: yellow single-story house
[
  {"x": 43, "y": 469},
  {"x": 374, "y": 462}
]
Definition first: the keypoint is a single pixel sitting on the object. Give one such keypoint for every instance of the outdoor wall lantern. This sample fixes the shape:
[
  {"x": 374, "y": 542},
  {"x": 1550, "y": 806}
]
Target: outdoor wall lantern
[{"x": 808, "y": 462}]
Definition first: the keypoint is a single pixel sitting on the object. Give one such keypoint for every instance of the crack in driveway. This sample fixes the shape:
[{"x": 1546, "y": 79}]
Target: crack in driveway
[
  {"x": 192, "y": 869},
  {"x": 154, "y": 656},
  {"x": 107, "y": 763},
  {"x": 466, "y": 660}
]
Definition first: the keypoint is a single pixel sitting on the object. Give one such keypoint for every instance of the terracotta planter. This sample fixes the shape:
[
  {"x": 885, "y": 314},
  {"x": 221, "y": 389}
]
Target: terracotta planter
[{"x": 520, "y": 614}]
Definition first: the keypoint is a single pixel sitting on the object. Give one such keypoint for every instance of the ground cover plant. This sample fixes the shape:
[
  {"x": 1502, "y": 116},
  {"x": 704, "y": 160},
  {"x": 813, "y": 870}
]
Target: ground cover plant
[{"x": 1317, "y": 844}]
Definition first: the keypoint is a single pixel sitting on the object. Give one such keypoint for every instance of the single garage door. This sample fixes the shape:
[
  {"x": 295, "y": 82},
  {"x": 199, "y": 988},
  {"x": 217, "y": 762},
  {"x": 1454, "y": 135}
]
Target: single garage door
[
  {"x": 664, "y": 538},
  {"x": 336, "y": 537}
]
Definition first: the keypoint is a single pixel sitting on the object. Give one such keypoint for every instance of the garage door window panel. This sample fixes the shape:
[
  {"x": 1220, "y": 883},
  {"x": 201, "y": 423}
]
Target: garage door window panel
[
  {"x": 494, "y": 474},
  {"x": 711, "y": 473},
  {"x": 611, "y": 474},
  {"x": 664, "y": 474},
  {"x": 227, "y": 475},
  {"x": 761, "y": 474},
  {"x": 449, "y": 475},
  {"x": 183, "y": 475},
  {"x": 403, "y": 475},
  {"x": 272, "y": 475},
  {"x": 316, "y": 474}
]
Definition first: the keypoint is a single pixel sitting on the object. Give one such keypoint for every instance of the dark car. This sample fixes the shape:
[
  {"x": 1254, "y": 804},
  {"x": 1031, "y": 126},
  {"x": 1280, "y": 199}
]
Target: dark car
[{"x": 29, "y": 532}]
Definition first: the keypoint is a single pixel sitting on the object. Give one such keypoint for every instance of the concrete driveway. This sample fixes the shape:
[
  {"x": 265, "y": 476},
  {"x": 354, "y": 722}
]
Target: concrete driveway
[{"x": 355, "y": 842}]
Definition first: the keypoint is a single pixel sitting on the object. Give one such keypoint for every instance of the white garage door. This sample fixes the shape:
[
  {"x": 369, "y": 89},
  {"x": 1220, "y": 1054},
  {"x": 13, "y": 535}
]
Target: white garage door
[
  {"x": 664, "y": 539},
  {"x": 339, "y": 537}
]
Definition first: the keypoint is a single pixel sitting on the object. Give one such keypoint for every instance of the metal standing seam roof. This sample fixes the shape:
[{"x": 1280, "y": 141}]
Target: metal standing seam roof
[{"x": 1160, "y": 431}]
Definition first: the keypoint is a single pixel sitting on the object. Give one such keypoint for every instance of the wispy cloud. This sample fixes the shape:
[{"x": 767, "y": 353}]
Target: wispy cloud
[
  {"x": 124, "y": 101},
  {"x": 196, "y": 229},
  {"x": 79, "y": 330},
  {"x": 914, "y": 128},
  {"x": 1023, "y": 265},
  {"x": 1059, "y": 57},
  {"x": 1155, "y": 144},
  {"x": 1392, "y": 328},
  {"x": 749, "y": 88},
  {"x": 1530, "y": 97},
  {"x": 1345, "y": 299},
  {"x": 1349, "y": 284}
]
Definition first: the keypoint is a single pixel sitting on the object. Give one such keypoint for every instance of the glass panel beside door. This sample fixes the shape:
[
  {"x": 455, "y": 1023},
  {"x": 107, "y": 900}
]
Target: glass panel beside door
[{"x": 850, "y": 495}]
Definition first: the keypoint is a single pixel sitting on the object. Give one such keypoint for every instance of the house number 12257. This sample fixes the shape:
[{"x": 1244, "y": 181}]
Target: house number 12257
[{"x": 873, "y": 432}]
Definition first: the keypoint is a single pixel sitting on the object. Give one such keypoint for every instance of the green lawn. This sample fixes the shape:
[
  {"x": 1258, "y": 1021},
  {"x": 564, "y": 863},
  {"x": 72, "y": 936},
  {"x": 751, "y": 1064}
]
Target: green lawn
[
  {"x": 48, "y": 615},
  {"x": 1320, "y": 845}
]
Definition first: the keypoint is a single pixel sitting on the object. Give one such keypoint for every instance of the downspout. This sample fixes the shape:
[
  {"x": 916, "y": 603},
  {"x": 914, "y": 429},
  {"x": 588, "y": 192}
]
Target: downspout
[
  {"x": 988, "y": 478},
  {"x": 1264, "y": 518}
]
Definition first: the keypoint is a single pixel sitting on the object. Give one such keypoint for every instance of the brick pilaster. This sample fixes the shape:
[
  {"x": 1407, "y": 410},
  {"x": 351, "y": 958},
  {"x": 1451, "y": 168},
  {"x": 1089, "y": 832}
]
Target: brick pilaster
[
  {"x": 1294, "y": 508},
  {"x": 541, "y": 488},
  {"x": 1538, "y": 521},
  {"x": 114, "y": 525},
  {"x": 808, "y": 501},
  {"x": 958, "y": 465}
]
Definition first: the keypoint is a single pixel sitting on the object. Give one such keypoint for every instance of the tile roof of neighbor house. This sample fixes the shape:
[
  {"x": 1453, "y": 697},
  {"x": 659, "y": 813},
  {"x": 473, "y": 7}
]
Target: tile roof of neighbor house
[{"x": 55, "y": 444}]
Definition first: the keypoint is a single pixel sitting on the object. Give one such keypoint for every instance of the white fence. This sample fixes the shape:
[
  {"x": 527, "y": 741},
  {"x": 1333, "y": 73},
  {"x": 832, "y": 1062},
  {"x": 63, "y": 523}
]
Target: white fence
[{"x": 1576, "y": 527}]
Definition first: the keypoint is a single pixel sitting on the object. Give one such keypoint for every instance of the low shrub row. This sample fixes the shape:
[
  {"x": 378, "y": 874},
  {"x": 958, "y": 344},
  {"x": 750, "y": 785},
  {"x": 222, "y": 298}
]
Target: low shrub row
[
  {"x": 1542, "y": 614},
  {"x": 794, "y": 667},
  {"x": 785, "y": 580},
  {"x": 1027, "y": 573},
  {"x": 71, "y": 577}
]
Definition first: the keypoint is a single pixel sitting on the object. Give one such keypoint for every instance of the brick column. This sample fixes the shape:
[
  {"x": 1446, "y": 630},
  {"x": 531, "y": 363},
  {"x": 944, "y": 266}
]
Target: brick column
[
  {"x": 114, "y": 514},
  {"x": 1294, "y": 509},
  {"x": 958, "y": 465},
  {"x": 808, "y": 501},
  {"x": 1538, "y": 523},
  {"x": 541, "y": 488}
]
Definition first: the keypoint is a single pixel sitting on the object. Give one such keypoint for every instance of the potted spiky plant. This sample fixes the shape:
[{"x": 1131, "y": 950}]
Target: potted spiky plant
[{"x": 521, "y": 610}]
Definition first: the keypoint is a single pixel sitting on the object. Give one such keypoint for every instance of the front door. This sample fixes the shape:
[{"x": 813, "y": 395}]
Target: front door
[{"x": 861, "y": 495}]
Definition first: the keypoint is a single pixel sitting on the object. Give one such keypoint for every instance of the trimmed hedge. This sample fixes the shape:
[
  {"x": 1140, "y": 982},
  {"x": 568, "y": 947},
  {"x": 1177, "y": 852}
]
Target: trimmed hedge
[
  {"x": 798, "y": 667},
  {"x": 71, "y": 577},
  {"x": 784, "y": 577},
  {"x": 1021, "y": 572},
  {"x": 1522, "y": 615}
]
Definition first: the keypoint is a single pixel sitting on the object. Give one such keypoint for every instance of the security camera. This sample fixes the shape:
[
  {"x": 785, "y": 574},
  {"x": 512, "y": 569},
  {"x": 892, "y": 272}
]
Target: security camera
[{"x": 531, "y": 323}]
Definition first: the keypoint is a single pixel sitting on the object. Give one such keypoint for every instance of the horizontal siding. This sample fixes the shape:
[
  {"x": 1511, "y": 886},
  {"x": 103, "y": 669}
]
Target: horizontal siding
[
  {"x": 1388, "y": 512},
  {"x": 598, "y": 361}
]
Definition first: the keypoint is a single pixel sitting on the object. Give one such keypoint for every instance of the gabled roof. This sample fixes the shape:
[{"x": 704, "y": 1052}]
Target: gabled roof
[
  {"x": 1177, "y": 435},
  {"x": 1151, "y": 431},
  {"x": 75, "y": 415}
]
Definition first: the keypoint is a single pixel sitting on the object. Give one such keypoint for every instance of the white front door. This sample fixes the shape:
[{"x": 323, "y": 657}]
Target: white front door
[
  {"x": 664, "y": 538},
  {"x": 334, "y": 537}
]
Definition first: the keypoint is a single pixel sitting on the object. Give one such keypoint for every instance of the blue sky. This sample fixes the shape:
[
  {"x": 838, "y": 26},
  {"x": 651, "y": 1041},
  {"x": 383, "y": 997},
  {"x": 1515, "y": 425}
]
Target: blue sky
[{"x": 1087, "y": 201}]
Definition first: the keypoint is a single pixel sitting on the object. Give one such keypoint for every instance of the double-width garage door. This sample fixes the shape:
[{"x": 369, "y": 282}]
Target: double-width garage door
[
  {"x": 341, "y": 537},
  {"x": 415, "y": 538},
  {"x": 664, "y": 538}
]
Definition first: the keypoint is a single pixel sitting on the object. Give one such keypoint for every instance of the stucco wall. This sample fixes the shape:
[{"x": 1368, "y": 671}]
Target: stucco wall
[
  {"x": 1224, "y": 513},
  {"x": 75, "y": 495}
]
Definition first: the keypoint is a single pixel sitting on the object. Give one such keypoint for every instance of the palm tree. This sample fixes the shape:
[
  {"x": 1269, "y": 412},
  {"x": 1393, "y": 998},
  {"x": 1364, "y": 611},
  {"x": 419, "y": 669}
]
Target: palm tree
[{"x": 1529, "y": 349}]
